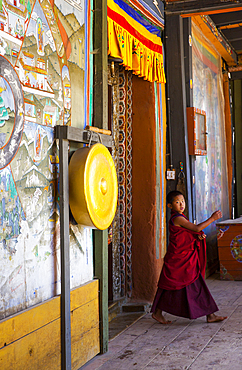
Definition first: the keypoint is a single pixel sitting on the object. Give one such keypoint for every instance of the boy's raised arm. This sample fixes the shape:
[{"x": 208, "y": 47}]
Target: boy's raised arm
[{"x": 183, "y": 222}]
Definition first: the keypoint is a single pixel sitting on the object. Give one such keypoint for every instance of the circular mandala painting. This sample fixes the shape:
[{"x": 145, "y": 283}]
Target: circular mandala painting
[
  {"x": 11, "y": 112},
  {"x": 236, "y": 248}
]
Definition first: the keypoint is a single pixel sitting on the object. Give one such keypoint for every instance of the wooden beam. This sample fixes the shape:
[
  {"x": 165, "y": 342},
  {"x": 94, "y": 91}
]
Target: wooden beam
[
  {"x": 235, "y": 69},
  {"x": 188, "y": 8},
  {"x": 210, "y": 30},
  {"x": 237, "y": 46},
  {"x": 82, "y": 136},
  {"x": 224, "y": 19},
  {"x": 236, "y": 75},
  {"x": 233, "y": 34}
]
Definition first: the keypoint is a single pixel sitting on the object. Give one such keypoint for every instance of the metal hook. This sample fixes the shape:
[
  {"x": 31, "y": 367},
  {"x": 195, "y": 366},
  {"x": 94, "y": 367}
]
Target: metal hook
[
  {"x": 181, "y": 175},
  {"x": 91, "y": 134},
  {"x": 100, "y": 137},
  {"x": 89, "y": 144}
]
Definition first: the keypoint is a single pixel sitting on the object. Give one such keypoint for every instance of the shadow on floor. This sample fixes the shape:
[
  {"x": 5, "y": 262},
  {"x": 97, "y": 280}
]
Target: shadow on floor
[{"x": 122, "y": 321}]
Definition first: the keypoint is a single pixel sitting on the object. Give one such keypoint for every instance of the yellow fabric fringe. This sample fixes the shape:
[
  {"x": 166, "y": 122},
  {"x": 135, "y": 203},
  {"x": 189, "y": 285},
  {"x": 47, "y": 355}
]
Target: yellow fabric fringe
[{"x": 137, "y": 57}]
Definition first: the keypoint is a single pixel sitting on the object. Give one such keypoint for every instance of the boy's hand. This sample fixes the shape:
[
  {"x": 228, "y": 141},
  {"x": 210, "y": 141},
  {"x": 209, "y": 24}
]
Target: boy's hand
[
  {"x": 201, "y": 237},
  {"x": 216, "y": 215}
]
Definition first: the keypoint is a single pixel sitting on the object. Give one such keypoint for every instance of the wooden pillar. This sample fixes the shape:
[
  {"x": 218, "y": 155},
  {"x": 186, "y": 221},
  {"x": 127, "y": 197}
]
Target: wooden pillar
[
  {"x": 65, "y": 257},
  {"x": 238, "y": 144},
  {"x": 229, "y": 136},
  {"x": 100, "y": 103},
  {"x": 176, "y": 96}
]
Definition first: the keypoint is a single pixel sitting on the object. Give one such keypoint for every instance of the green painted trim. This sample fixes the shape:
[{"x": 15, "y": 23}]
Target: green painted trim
[
  {"x": 91, "y": 67},
  {"x": 101, "y": 272},
  {"x": 100, "y": 107}
]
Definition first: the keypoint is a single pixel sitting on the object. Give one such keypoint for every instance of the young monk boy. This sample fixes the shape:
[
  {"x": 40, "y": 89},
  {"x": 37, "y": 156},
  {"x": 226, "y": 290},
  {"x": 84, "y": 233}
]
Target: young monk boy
[{"x": 182, "y": 290}]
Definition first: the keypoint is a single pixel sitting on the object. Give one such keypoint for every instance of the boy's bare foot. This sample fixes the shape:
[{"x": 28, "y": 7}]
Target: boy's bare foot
[
  {"x": 160, "y": 318},
  {"x": 214, "y": 318}
]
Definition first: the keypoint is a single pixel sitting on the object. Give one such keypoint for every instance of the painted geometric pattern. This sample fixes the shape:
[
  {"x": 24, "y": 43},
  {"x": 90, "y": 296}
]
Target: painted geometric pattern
[
  {"x": 125, "y": 180},
  {"x": 129, "y": 183},
  {"x": 122, "y": 177},
  {"x": 115, "y": 227}
]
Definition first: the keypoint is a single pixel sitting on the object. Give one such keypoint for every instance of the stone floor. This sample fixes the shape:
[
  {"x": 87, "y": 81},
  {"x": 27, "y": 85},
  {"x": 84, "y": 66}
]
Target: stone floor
[{"x": 184, "y": 344}]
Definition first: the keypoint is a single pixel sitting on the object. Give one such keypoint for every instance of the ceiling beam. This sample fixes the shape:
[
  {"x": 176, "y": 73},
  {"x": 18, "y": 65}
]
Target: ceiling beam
[
  {"x": 225, "y": 19},
  {"x": 235, "y": 69},
  {"x": 236, "y": 75},
  {"x": 187, "y": 8},
  {"x": 233, "y": 34},
  {"x": 237, "y": 45}
]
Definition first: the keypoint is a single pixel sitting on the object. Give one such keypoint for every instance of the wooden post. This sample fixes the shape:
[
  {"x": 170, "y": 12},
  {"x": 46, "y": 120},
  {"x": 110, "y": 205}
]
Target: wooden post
[
  {"x": 101, "y": 272},
  {"x": 100, "y": 103},
  {"x": 238, "y": 144},
  {"x": 65, "y": 257}
]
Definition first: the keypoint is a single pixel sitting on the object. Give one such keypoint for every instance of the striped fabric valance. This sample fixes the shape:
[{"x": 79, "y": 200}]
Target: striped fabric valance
[{"x": 135, "y": 41}]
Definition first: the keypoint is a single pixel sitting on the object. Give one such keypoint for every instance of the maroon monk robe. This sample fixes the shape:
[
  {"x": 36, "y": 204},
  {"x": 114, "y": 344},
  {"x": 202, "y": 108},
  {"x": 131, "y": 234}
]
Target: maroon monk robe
[{"x": 185, "y": 258}]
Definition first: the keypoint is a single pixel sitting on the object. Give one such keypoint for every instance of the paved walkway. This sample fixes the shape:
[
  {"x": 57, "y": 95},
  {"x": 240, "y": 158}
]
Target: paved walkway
[{"x": 184, "y": 344}]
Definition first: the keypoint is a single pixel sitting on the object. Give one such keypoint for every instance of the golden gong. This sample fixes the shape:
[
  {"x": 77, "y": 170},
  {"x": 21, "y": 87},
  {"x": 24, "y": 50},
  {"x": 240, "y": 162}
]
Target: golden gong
[{"x": 93, "y": 187}]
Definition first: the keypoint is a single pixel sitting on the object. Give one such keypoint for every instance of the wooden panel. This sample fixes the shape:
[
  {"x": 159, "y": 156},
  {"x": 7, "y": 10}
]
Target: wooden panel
[
  {"x": 41, "y": 349},
  {"x": 84, "y": 318},
  {"x": 237, "y": 275},
  {"x": 19, "y": 325},
  {"x": 225, "y": 255},
  {"x": 32, "y": 338},
  {"x": 227, "y": 237},
  {"x": 228, "y": 273},
  {"x": 35, "y": 317},
  {"x": 230, "y": 265},
  {"x": 225, "y": 242},
  {"x": 230, "y": 269},
  {"x": 193, "y": 129},
  {"x": 38, "y": 350},
  {"x": 85, "y": 349},
  {"x": 87, "y": 293}
]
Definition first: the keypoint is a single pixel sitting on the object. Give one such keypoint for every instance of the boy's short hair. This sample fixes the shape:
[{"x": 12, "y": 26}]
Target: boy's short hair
[{"x": 171, "y": 195}]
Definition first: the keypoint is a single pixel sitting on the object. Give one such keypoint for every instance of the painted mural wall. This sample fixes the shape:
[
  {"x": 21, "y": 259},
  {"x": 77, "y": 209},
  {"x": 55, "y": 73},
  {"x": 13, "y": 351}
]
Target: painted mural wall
[
  {"x": 210, "y": 170},
  {"x": 44, "y": 81}
]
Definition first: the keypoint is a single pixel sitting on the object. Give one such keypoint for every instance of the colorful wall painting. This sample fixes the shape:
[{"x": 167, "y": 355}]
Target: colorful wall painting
[
  {"x": 71, "y": 14},
  {"x": 43, "y": 72},
  {"x": 236, "y": 248},
  {"x": 12, "y": 115},
  {"x": 210, "y": 170}
]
